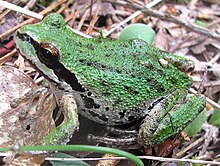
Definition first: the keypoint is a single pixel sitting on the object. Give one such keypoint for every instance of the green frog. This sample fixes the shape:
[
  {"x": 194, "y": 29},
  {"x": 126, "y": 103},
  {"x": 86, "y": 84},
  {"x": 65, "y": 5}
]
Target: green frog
[{"x": 114, "y": 82}]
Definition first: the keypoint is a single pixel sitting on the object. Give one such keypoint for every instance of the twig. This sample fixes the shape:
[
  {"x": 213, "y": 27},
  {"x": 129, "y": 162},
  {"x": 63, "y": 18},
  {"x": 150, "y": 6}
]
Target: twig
[
  {"x": 82, "y": 20},
  {"x": 141, "y": 157},
  {"x": 3, "y": 14},
  {"x": 212, "y": 83},
  {"x": 30, "y": 20},
  {"x": 207, "y": 99},
  {"x": 123, "y": 158},
  {"x": 149, "y": 5},
  {"x": 167, "y": 17},
  {"x": 180, "y": 154},
  {"x": 20, "y": 10},
  {"x": 64, "y": 6},
  {"x": 93, "y": 18},
  {"x": 7, "y": 56},
  {"x": 34, "y": 15}
]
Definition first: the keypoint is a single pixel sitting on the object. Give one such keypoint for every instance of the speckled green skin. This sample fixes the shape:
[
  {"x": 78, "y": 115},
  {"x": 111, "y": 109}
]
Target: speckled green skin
[{"x": 121, "y": 80}]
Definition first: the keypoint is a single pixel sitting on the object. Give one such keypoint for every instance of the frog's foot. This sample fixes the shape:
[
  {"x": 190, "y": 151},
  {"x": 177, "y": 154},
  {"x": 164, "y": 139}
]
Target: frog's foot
[
  {"x": 62, "y": 133},
  {"x": 171, "y": 115}
]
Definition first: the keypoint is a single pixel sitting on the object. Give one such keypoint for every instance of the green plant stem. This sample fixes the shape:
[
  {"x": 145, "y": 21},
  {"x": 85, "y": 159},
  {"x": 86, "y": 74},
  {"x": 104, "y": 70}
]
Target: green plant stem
[{"x": 82, "y": 148}]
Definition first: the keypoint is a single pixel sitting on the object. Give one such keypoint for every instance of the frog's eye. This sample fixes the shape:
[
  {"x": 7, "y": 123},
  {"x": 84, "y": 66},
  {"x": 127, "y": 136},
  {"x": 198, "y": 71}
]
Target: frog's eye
[{"x": 48, "y": 53}]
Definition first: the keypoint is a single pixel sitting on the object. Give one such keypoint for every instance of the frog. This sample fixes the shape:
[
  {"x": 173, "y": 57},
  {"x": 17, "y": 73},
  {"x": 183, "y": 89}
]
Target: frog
[{"x": 114, "y": 82}]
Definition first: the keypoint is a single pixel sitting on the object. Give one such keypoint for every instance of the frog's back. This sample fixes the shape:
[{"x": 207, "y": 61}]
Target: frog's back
[{"x": 120, "y": 79}]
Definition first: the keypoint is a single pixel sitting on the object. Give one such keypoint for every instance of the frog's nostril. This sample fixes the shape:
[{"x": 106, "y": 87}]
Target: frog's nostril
[
  {"x": 23, "y": 36},
  {"x": 27, "y": 38}
]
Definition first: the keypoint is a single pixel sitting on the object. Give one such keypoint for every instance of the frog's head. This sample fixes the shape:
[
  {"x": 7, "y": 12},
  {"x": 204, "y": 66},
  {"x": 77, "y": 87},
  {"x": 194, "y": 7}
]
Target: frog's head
[{"x": 39, "y": 44}]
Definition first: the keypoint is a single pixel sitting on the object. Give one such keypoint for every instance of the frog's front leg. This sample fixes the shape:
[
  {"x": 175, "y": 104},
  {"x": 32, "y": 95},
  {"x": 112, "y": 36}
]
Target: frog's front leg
[
  {"x": 171, "y": 115},
  {"x": 63, "y": 132},
  {"x": 34, "y": 117}
]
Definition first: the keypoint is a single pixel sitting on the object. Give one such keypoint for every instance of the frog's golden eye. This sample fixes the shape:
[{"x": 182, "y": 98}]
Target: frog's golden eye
[
  {"x": 48, "y": 53},
  {"x": 49, "y": 47}
]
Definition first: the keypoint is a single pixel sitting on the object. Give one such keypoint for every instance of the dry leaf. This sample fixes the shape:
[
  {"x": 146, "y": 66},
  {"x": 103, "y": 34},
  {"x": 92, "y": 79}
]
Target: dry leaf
[{"x": 29, "y": 120}]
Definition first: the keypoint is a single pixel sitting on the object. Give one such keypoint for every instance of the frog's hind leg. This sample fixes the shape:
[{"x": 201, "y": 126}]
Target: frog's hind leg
[
  {"x": 170, "y": 116},
  {"x": 117, "y": 138}
]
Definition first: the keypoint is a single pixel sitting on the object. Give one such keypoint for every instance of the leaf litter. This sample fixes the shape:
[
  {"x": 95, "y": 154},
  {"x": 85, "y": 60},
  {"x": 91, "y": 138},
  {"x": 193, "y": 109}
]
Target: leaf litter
[{"x": 92, "y": 17}]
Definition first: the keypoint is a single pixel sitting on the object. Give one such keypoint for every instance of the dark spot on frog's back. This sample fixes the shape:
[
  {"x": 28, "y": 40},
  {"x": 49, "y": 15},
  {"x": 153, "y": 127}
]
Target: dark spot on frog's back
[
  {"x": 161, "y": 72},
  {"x": 131, "y": 90},
  {"x": 90, "y": 47},
  {"x": 160, "y": 89},
  {"x": 108, "y": 55},
  {"x": 105, "y": 83},
  {"x": 89, "y": 102},
  {"x": 82, "y": 61},
  {"x": 122, "y": 114}
]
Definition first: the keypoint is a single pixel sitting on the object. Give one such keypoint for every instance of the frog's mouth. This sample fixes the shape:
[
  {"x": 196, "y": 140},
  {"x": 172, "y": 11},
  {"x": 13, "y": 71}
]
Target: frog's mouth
[{"x": 46, "y": 60}]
